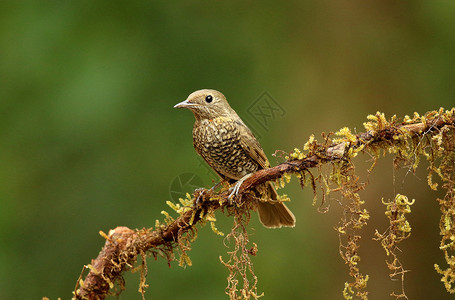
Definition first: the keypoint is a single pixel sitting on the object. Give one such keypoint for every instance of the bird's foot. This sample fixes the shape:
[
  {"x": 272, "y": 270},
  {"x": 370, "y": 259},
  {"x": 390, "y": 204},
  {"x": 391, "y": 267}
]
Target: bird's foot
[
  {"x": 200, "y": 193},
  {"x": 235, "y": 189},
  {"x": 213, "y": 188}
]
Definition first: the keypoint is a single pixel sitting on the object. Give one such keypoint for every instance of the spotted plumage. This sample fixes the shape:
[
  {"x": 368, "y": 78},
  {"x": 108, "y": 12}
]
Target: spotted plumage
[
  {"x": 230, "y": 148},
  {"x": 218, "y": 142}
]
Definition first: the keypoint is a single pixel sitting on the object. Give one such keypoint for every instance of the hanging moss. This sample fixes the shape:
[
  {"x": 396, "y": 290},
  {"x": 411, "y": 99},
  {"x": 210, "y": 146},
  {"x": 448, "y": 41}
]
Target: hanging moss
[{"x": 430, "y": 137}]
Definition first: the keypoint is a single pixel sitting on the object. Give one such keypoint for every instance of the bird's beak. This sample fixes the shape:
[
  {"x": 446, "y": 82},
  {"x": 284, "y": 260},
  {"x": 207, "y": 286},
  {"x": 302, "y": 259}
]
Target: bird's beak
[{"x": 184, "y": 104}]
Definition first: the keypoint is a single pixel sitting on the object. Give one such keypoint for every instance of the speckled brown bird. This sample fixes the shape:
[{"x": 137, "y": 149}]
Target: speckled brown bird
[{"x": 230, "y": 148}]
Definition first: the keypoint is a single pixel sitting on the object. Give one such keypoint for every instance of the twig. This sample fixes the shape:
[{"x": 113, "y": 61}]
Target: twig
[{"x": 123, "y": 245}]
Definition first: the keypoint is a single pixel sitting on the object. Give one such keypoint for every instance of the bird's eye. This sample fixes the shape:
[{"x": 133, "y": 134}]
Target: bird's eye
[{"x": 208, "y": 98}]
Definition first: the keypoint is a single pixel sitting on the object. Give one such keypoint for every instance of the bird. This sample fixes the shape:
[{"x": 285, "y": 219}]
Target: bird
[{"x": 230, "y": 148}]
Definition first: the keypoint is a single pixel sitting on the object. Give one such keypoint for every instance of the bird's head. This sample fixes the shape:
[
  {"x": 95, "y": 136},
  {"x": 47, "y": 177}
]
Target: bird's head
[{"x": 207, "y": 104}]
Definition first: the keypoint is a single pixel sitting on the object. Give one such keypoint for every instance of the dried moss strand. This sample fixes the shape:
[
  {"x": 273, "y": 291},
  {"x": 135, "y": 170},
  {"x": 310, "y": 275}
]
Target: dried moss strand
[{"x": 124, "y": 245}]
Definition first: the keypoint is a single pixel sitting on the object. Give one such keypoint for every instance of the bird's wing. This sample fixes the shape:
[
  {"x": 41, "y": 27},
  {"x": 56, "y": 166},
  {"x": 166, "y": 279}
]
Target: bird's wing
[{"x": 251, "y": 146}]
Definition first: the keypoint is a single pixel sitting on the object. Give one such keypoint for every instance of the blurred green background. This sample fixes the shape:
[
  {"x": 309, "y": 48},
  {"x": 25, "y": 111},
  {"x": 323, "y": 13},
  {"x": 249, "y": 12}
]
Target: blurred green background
[{"x": 90, "y": 141}]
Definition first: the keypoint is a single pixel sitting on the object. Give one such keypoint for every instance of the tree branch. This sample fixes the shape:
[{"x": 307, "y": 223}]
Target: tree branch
[{"x": 123, "y": 245}]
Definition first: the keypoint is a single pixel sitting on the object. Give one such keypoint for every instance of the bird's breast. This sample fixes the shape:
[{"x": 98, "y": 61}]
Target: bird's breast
[{"x": 218, "y": 142}]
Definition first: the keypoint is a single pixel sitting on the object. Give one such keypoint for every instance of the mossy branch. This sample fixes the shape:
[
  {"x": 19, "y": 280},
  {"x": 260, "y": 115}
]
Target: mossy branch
[{"x": 123, "y": 246}]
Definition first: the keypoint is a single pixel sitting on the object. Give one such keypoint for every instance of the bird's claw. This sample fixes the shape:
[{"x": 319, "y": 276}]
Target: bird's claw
[
  {"x": 199, "y": 193},
  {"x": 236, "y": 188},
  {"x": 234, "y": 192},
  {"x": 213, "y": 188}
]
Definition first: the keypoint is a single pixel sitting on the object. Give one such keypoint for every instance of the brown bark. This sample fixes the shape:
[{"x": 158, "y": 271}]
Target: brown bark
[{"x": 123, "y": 245}]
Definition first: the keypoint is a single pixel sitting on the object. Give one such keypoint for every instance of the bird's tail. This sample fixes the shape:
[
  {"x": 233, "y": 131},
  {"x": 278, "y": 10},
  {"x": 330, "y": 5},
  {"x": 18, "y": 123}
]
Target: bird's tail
[{"x": 272, "y": 212}]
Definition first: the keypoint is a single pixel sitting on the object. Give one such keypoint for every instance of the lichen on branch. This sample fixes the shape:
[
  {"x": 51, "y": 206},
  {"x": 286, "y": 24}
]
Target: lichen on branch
[{"x": 430, "y": 136}]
